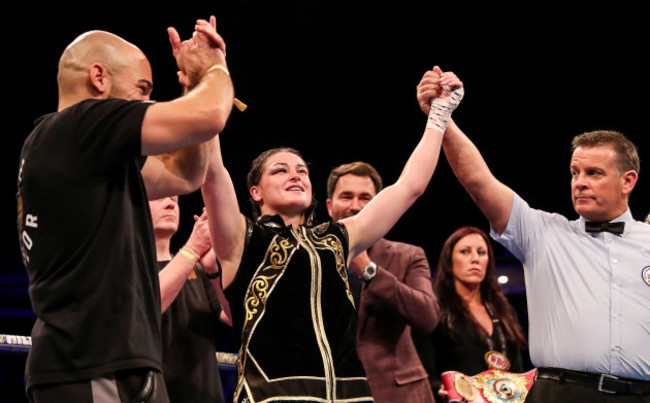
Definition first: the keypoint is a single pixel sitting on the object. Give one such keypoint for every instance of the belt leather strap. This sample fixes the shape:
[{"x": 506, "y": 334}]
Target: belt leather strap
[{"x": 602, "y": 382}]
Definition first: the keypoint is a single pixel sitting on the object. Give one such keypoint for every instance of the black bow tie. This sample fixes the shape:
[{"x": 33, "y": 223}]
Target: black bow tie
[{"x": 613, "y": 227}]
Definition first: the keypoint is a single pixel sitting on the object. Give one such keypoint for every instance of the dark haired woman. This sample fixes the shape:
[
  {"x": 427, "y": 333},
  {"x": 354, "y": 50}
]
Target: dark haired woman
[
  {"x": 478, "y": 329},
  {"x": 286, "y": 281}
]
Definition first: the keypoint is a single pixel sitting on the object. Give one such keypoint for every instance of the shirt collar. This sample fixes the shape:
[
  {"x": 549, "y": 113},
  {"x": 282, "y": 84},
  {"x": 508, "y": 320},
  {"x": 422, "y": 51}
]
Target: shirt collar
[
  {"x": 626, "y": 217},
  {"x": 273, "y": 222}
]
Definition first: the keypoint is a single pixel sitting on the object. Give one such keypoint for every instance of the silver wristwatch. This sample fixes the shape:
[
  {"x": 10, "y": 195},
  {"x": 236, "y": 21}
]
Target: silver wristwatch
[{"x": 369, "y": 271}]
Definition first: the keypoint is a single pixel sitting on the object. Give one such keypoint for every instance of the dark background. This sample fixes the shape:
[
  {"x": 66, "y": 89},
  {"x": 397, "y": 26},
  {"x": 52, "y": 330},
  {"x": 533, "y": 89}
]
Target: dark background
[{"x": 337, "y": 81}]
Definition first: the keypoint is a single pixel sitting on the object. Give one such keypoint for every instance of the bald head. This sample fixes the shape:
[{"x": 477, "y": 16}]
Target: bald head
[{"x": 111, "y": 55}]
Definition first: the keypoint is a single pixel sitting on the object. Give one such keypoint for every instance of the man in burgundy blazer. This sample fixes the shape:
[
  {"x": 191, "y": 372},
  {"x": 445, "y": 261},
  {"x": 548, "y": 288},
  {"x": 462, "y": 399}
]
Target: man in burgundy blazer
[{"x": 395, "y": 293}]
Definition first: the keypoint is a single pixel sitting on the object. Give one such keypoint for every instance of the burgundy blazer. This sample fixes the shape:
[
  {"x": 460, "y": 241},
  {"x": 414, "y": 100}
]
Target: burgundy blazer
[{"x": 398, "y": 297}]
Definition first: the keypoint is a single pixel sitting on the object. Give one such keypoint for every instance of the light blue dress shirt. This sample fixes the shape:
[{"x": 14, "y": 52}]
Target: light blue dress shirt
[{"x": 588, "y": 294}]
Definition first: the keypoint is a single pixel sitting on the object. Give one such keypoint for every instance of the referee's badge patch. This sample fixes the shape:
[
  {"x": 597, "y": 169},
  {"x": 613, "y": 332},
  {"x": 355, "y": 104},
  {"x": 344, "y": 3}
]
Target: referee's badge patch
[{"x": 645, "y": 273}]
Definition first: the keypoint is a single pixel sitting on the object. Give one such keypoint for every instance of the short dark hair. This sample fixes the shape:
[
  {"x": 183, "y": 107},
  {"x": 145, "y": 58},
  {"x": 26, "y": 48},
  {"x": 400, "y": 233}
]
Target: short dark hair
[
  {"x": 627, "y": 155},
  {"x": 358, "y": 168},
  {"x": 255, "y": 176}
]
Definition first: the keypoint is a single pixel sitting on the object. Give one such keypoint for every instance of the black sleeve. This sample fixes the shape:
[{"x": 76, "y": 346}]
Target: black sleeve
[{"x": 108, "y": 132}]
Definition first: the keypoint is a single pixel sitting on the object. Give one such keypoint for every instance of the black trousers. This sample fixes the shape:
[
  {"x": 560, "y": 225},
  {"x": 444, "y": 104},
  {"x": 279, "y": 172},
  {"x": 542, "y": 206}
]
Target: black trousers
[
  {"x": 547, "y": 390},
  {"x": 129, "y": 386}
]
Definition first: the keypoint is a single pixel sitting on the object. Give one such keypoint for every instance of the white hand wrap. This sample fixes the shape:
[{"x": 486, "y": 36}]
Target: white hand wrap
[{"x": 441, "y": 110}]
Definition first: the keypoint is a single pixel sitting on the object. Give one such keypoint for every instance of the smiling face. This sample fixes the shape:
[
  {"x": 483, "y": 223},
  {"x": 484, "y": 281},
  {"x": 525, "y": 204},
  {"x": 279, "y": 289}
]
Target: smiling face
[
  {"x": 351, "y": 194},
  {"x": 132, "y": 82},
  {"x": 598, "y": 191},
  {"x": 99, "y": 64},
  {"x": 284, "y": 187},
  {"x": 470, "y": 259}
]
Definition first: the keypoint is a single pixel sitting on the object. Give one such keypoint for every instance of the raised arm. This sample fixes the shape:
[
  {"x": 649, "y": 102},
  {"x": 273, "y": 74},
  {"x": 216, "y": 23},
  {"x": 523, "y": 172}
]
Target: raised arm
[
  {"x": 176, "y": 172},
  {"x": 210, "y": 266},
  {"x": 383, "y": 211},
  {"x": 176, "y": 132},
  {"x": 173, "y": 276},
  {"x": 492, "y": 197},
  {"x": 227, "y": 224}
]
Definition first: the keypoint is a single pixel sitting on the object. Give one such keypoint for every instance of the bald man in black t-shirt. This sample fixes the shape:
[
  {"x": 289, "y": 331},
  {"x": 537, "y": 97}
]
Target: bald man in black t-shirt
[{"x": 86, "y": 173}]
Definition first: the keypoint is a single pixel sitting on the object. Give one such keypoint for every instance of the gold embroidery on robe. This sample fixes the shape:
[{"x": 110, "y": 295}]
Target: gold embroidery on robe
[{"x": 331, "y": 242}]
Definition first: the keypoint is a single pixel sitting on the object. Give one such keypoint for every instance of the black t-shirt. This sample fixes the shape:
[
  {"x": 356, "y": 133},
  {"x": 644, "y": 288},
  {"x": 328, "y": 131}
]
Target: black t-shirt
[
  {"x": 189, "y": 333},
  {"x": 87, "y": 242}
]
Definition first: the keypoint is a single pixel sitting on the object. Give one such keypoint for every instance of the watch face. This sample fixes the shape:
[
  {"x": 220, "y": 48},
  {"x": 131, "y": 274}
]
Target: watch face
[{"x": 370, "y": 270}]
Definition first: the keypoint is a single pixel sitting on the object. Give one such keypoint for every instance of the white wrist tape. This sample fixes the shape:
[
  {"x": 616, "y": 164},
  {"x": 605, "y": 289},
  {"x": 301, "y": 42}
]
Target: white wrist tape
[{"x": 441, "y": 110}]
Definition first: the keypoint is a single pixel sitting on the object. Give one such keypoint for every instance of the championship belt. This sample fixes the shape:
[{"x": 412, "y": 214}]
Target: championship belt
[{"x": 493, "y": 386}]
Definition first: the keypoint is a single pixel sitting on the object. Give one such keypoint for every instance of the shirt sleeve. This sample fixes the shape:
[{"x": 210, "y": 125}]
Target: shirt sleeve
[
  {"x": 413, "y": 298},
  {"x": 109, "y": 132},
  {"x": 523, "y": 226},
  {"x": 528, "y": 229}
]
